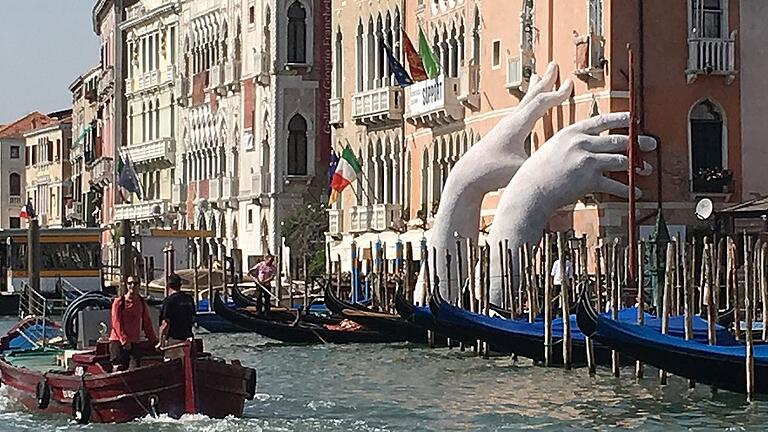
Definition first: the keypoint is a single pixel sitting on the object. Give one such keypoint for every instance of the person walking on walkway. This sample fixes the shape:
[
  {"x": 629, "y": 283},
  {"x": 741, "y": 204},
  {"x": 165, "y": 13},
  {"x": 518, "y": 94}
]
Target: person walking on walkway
[
  {"x": 177, "y": 314},
  {"x": 130, "y": 315}
]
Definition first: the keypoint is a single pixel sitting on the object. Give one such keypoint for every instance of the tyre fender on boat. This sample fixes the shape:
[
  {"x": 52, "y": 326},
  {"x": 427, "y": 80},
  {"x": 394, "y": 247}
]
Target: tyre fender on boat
[
  {"x": 250, "y": 384},
  {"x": 81, "y": 406},
  {"x": 43, "y": 394}
]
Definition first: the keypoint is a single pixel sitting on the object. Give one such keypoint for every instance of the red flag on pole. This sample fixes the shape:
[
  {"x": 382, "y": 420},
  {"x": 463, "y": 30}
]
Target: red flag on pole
[{"x": 415, "y": 65}]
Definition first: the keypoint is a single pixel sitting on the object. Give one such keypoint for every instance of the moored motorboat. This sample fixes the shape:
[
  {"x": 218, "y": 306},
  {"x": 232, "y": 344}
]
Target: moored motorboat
[{"x": 81, "y": 385}]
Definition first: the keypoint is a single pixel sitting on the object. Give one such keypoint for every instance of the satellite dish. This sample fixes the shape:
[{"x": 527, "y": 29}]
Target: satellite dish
[{"x": 704, "y": 209}]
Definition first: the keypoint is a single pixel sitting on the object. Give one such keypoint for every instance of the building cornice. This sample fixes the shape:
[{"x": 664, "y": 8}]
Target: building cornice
[{"x": 168, "y": 8}]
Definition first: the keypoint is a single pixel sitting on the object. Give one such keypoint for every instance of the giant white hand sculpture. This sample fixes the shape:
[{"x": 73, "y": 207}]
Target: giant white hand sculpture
[
  {"x": 567, "y": 167},
  {"x": 486, "y": 166}
]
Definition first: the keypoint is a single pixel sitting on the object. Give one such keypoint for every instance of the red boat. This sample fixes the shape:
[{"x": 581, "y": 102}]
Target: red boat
[{"x": 87, "y": 391}]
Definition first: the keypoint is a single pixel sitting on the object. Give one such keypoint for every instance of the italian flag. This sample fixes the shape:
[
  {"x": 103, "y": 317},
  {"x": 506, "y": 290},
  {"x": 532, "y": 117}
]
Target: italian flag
[{"x": 347, "y": 170}]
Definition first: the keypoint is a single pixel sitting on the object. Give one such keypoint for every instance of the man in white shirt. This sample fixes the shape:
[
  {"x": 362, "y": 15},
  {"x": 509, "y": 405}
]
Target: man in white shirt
[{"x": 557, "y": 279}]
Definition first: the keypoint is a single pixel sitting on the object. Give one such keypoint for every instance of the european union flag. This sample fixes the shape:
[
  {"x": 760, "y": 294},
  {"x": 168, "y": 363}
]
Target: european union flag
[{"x": 397, "y": 69}]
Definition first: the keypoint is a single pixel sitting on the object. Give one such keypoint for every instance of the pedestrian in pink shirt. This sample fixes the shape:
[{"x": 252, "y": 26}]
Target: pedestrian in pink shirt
[{"x": 263, "y": 273}]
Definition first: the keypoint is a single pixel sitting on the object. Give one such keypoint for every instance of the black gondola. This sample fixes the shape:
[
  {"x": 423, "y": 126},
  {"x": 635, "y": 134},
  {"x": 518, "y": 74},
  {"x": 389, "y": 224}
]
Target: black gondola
[
  {"x": 299, "y": 332},
  {"x": 379, "y": 321},
  {"x": 336, "y": 305},
  {"x": 286, "y": 315},
  {"x": 717, "y": 365}
]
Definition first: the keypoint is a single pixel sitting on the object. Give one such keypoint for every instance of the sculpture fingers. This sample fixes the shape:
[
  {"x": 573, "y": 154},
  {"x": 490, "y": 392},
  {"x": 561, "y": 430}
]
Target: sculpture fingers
[
  {"x": 603, "y": 122},
  {"x": 616, "y": 143},
  {"x": 542, "y": 83},
  {"x": 607, "y": 162},
  {"x": 545, "y": 101},
  {"x": 616, "y": 188}
]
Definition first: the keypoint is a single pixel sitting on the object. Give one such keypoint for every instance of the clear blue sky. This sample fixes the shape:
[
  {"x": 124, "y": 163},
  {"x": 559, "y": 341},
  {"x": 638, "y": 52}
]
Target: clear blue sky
[{"x": 44, "y": 46}]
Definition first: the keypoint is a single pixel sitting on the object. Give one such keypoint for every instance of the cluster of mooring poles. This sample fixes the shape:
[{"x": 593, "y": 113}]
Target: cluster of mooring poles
[{"x": 706, "y": 277}]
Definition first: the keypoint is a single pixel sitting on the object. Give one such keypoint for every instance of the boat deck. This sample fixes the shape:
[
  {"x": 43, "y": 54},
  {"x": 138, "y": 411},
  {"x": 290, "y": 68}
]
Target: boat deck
[{"x": 41, "y": 360}]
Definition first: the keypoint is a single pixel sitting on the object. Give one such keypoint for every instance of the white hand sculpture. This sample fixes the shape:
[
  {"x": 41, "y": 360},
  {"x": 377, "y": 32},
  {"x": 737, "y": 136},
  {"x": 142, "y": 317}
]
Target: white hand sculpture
[
  {"x": 567, "y": 167},
  {"x": 486, "y": 166}
]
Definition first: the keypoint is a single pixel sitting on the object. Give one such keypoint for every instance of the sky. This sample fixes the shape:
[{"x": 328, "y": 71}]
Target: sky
[{"x": 44, "y": 46}]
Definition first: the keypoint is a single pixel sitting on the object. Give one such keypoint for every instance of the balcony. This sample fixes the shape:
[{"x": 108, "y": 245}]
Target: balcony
[
  {"x": 378, "y": 106},
  {"x": 214, "y": 189},
  {"x": 360, "y": 218},
  {"x": 102, "y": 171},
  {"x": 216, "y": 77},
  {"x": 106, "y": 82},
  {"x": 162, "y": 151},
  {"x": 590, "y": 63},
  {"x": 14, "y": 200},
  {"x": 469, "y": 86},
  {"x": 386, "y": 216},
  {"x": 232, "y": 75},
  {"x": 335, "y": 221},
  {"x": 150, "y": 79},
  {"x": 336, "y": 109},
  {"x": 261, "y": 67},
  {"x": 178, "y": 194},
  {"x": 230, "y": 188},
  {"x": 142, "y": 210},
  {"x": 519, "y": 71},
  {"x": 434, "y": 102},
  {"x": 74, "y": 210},
  {"x": 711, "y": 56}
]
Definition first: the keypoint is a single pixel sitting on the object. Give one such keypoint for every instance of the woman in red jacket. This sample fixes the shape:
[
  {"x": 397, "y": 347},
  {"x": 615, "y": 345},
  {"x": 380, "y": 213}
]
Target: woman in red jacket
[{"x": 130, "y": 315}]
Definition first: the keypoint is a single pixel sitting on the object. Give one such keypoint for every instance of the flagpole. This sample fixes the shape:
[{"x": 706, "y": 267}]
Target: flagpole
[
  {"x": 367, "y": 196},
  {"x": 631, "y": 156}
]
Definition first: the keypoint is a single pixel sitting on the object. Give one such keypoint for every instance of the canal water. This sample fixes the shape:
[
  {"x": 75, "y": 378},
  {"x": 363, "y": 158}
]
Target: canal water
[{"x": 401, "y": 387}]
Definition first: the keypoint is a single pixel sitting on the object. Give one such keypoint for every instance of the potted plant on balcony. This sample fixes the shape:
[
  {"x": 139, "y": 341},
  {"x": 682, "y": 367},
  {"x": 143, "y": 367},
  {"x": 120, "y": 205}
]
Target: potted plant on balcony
[{"x": 713, "y": 179}]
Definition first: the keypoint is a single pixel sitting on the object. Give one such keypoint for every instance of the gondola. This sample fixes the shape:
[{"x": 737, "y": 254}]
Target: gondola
[
  {"x": 422, "y": 317},
  {"x": 517, "y": 337},
  {"x": 716, "y": 365},
  {"x": 300, "y": 332},
  {"x": 527, "y": 339},
  {"x": 336, "y": 305},
  {"x": 379, "y": 321},
  {"x": 278, "y": 314}
]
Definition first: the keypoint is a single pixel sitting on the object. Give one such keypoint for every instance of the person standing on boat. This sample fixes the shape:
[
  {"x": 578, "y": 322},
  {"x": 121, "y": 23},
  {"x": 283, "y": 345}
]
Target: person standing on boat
[
  {"x": 130, "y": 315},
  {"x": 177, "y": 314},
  {"x": 263, "y": 273}
]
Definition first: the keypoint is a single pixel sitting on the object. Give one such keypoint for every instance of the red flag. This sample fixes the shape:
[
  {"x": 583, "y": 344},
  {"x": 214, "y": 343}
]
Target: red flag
[{"x": 415, "y": 65}]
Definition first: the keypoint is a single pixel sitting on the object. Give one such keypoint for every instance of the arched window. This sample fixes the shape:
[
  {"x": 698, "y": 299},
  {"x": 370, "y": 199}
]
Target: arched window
[
  {"x": 14, "y": 182},
  {"x": 157, "y": 118},
  {"x": 150, "y": 117},
  {"x": 337, "y": 65},
  {"x": 297, "y": 146},
  {"x": 297, "y": 33},
  {"x": 476, "y": 37},
  {"x": 707, "y": 138},
  {"x": 360, "y": 72}
]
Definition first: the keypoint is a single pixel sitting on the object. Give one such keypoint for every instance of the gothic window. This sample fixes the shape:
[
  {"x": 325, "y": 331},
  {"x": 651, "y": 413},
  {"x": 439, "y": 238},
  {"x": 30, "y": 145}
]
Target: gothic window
[
  {"x": 706, "y": 140},
  {"x": 297, "y": 33},
  {"x": 337, "y": 65},
  {"x": 157, "y": 119},
  {"x": 14, "y": 182},
  {"x": 476, "y": 38},
  {"x": 595, "y": 17},
  {"x": 359, "y": 56},
  {"x": 708, "y": 18},
  {"x": 297, "y": 145}
]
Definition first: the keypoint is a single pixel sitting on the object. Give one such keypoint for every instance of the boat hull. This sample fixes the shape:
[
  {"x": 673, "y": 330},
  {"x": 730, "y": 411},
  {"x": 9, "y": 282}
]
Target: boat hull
[{"x": 188, "y": 385}]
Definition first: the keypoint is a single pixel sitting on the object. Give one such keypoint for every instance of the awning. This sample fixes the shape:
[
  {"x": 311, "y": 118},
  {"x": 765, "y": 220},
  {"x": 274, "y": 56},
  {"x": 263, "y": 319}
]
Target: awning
[{"x": 753, "y": 208}]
